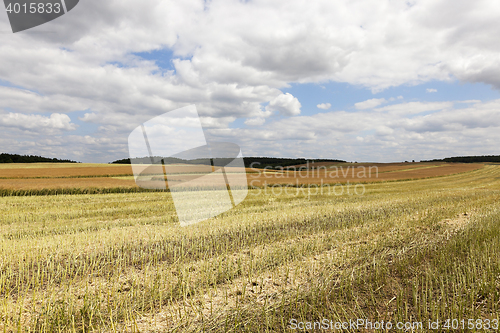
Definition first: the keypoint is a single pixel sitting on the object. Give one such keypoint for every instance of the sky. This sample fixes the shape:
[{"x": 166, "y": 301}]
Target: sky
[{"x": 357, "y": 80}]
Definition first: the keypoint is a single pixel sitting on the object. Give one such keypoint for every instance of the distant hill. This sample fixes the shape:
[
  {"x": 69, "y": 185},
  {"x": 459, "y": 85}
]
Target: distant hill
[
  {"x": 262, "y": 162},
  {"x": 14, "y": 158},
  {"x": 147, "y": 160},
  {"x": 469, "y": 159},
  {"x": 257, "y": 162}
]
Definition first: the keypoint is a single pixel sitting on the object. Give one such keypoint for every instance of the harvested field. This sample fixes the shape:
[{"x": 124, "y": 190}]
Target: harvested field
[
  {"x": 39, "y": 170},
  {"x": 355, "y": 173},
  {"x": 384, "y": 167},
  {"x": 106, "y": 176},
  {"x": 55, "y": 183},
  {"x": 405, "y": 251}
]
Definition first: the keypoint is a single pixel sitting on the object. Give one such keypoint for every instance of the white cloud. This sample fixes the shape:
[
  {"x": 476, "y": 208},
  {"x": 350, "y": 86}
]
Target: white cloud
[
  {"x": 213, "y": 122},
  {"x": 430, "y": 90},
  {"x": 384, "y": 130},
  {"x": 374, "y": 44},
  {"x": 324, "y": 106},
  {"x": 370, "y": 104},
  {"x": 255, "y": 121},
  {"x": 415, "y": 107},
  {"x": 56, "y": 121},
  {"x": 285, "y": 104},
  {"x": 26, "y": 101}
]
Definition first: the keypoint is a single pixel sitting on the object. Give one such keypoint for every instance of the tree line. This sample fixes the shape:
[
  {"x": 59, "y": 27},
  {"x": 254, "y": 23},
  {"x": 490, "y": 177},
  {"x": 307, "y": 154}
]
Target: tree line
[
  {"x": 15, "y": 158},
  {"x": 259, "y": 162},
  {"x": 469, "y": 159}
]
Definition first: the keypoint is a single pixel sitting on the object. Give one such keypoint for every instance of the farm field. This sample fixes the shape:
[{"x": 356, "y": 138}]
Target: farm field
[
  {"x": 405, "y": 251},
  {"x": 20, "y": 179}
]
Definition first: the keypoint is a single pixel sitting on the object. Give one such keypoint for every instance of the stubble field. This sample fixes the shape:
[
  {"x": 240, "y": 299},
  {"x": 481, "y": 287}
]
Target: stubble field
[
  {"x": 404, "y": 251},
  {"x": 43, "y": 178}
]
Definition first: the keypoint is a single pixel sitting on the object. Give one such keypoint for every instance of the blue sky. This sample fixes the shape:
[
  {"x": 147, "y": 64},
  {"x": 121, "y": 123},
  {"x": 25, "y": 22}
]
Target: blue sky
[
  {"x": 394, "y": 80},
  {"x": 343, "y": 96},
  {"x": 161, "y": 57}
]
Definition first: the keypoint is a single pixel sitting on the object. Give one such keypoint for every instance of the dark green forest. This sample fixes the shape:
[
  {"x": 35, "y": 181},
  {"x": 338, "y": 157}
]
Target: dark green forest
[
  {"x": 469, "y": 159},
  {"x": 256, "y": 162},
  {"x": 14, "y": 158}
]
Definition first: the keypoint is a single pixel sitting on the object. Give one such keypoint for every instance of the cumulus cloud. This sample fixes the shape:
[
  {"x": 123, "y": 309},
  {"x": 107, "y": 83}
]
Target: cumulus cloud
[
  {"x": 285, "y": 104},
  {"x": 255, "y": 121},
  {"x": 324, "y": 106},
  {"x": 379, "y": 46},
  {"x": 370, "y": 104},
  {"x": 430, "y": 90},
  {"x": 26, "y": 101},
  {"x": 56, "y": 121},
  {"x": 414, "y": 107}
]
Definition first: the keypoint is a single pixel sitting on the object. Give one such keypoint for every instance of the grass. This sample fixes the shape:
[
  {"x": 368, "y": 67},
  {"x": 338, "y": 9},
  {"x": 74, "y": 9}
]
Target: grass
[{"x": 414, "y": 250}]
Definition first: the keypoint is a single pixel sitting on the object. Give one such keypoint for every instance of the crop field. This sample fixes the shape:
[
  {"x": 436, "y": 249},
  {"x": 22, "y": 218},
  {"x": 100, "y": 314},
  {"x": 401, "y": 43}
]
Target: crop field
[
  {"x": 404, "y": 251},
  {"x": 357, "y": 173},
  {"x": 43, "y": 178}
]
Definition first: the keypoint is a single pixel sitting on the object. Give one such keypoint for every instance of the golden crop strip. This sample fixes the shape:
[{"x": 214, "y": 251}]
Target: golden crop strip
[{"x": 69, "y": 170}]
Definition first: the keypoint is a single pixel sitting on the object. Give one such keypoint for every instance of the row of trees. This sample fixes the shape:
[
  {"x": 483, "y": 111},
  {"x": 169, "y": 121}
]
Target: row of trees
[
  {"x": 259, "y": 162},
  {"x": 469, "y": 159},
  {"x": 14, "y": 158}
]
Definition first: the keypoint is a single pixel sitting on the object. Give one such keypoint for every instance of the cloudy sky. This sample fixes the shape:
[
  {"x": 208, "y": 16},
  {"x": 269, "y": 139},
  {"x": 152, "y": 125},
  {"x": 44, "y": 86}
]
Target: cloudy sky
[{"x": 358, "y": 80}]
